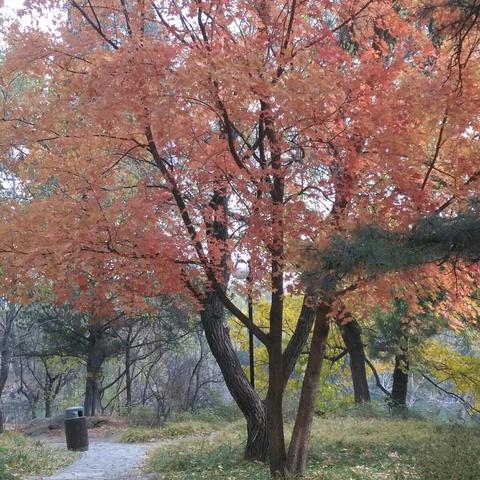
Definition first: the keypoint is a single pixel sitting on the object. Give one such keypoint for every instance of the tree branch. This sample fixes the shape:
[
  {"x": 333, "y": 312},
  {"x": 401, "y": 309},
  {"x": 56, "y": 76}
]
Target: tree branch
[
  {"x": 377, "y": 378},
  {"x": 96, "y": 27},
  {"x": 437, "y": 149},
  {"x": 466, "y": 404}
]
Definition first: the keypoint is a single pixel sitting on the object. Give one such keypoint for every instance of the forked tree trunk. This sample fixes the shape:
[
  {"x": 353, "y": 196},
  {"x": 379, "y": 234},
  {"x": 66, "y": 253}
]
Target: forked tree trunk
[
  {"x": 245, "y": 396},
  {"x": 213, "y": 321},
  {"x": 352, "y": 336},
  {"x": 299, "y": 444}
]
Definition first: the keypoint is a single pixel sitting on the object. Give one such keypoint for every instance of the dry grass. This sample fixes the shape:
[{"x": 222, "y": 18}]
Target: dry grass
[
  {"x": 20, "y": 455},
  {"x": 347, "y": 448}
]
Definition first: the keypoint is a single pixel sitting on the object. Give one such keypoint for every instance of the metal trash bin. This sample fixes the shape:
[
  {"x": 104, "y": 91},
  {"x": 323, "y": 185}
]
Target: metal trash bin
[{"x": 76, "y": 432}]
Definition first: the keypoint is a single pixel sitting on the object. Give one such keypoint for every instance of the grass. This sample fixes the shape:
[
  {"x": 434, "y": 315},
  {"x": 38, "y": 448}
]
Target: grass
[
  {"x": 20, "y": 455},
  {"x": 171, "y": 430},
  {"x": 346, "y": 448}
]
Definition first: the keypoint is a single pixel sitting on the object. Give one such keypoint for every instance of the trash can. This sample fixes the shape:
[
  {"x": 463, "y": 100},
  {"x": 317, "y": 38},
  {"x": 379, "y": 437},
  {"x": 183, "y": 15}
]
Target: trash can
[{"x": 76, "y": 432}]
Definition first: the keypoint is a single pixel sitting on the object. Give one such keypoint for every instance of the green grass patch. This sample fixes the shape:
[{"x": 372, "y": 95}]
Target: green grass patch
[
  {"x": 217, "y": 456},
  {"x": 347, "y": 448},
  {"x": 170, "y": 430},
  {"x": 20, "y": 455}
]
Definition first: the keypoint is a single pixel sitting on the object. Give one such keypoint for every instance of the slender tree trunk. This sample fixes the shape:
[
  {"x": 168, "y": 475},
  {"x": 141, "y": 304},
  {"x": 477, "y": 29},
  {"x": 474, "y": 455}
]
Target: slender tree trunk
[
  {"x": 352, "y": 336},
  {"x": 299, "y": 444},
  {"x": 48, "y": 397},
  {"x": 400, "y": 379},
  {"x": 4, "y": 371},
  {"x": 128, "y": 373},
  {"x": 5, "y": 354},
  {"x": 300, "y": 336},
  {"x": 276, "y": 374},
  {"x": 95, "y": 357},
  {"x": 33, "y": 408},
  {"x": 245, "y": 396},
  {"x": 274, "y": 402}
]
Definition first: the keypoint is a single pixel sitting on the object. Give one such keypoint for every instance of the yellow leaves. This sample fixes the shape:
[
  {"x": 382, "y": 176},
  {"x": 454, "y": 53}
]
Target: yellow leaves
[{"x": 447, "y": 364}]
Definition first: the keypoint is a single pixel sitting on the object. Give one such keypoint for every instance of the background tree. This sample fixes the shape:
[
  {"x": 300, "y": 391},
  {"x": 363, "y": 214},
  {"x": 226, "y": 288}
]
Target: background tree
[{"x": 8, "y": 317}]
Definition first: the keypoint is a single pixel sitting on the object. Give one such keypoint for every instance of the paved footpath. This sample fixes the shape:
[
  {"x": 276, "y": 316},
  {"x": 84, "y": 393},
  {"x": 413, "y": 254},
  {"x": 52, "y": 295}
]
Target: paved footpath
[{"x": 106, "y": 461}]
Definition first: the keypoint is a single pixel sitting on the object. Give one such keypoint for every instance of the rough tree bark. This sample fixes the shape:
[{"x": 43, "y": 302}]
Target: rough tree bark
[
  {"x": 218, "y": 339},
  {"x": 247, "y": 399},
  {"x": 352, "y": 336},
  {"x": 299, "y": 444},
  {"x": 95, "y": 358},
  {"x": 274, "y": 400}
]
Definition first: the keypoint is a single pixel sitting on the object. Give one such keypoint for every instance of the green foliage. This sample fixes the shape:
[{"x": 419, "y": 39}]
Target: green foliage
[
  {"x": 171, "y": 430},
  {"x": 377, "y": 250},
  {"x": 261, "y": 312},
  {"x": 335, "y": 390},
  {"x": 19, "y": 455},
  {"x": 394, "y": 328},
  {"x": 138, "y": 414},
  {"x": 446, "y": 364},
  {"x": 4, "y": 474}
]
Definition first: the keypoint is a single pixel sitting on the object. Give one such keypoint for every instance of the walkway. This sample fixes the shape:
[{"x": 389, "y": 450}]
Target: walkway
[{"x": 106, "y": 461}]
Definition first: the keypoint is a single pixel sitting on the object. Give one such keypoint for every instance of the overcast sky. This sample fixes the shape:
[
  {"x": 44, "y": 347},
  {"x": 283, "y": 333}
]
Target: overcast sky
[{"x": 10, "y": 7}]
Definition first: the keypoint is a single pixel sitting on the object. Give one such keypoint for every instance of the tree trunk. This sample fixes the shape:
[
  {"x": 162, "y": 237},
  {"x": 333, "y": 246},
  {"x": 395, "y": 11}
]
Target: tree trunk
[
  {"x": 300, "y": 336},
  {"x": 247, "y": 399},
  {"x": 298, "y": 449},
  {"x": 48, "y": 397},
  {"x": 95, "y": 357},
  {"x": 400, "y": 379},
  {"x": 4, "y": 371},
  {"x": 33, "y": 408},
  {"x": 5, "y": 347},
  {"x": 274, "y": 402},
  {"x": 352, "y": 336},
  {"x": 128, "y": 373}
]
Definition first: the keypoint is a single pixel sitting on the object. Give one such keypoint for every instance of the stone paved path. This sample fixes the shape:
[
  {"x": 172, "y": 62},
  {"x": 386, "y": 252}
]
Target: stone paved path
[{"x": 106, "y": 461}]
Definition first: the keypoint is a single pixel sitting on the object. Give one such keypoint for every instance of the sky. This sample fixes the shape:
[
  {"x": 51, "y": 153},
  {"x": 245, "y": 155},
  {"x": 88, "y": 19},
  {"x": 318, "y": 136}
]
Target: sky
[
  {"x": 10, "y": 6},
  {"x": 8, "y": 9}
]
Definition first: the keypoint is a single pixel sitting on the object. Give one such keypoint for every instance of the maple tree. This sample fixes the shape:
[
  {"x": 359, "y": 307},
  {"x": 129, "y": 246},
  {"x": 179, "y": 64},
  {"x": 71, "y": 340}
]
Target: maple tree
[{"x": 156, "y": 143}]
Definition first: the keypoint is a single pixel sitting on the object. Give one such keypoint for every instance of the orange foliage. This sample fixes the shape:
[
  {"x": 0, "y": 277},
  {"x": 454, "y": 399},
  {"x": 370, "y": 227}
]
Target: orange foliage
[{"x": 348, "y": 107}]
